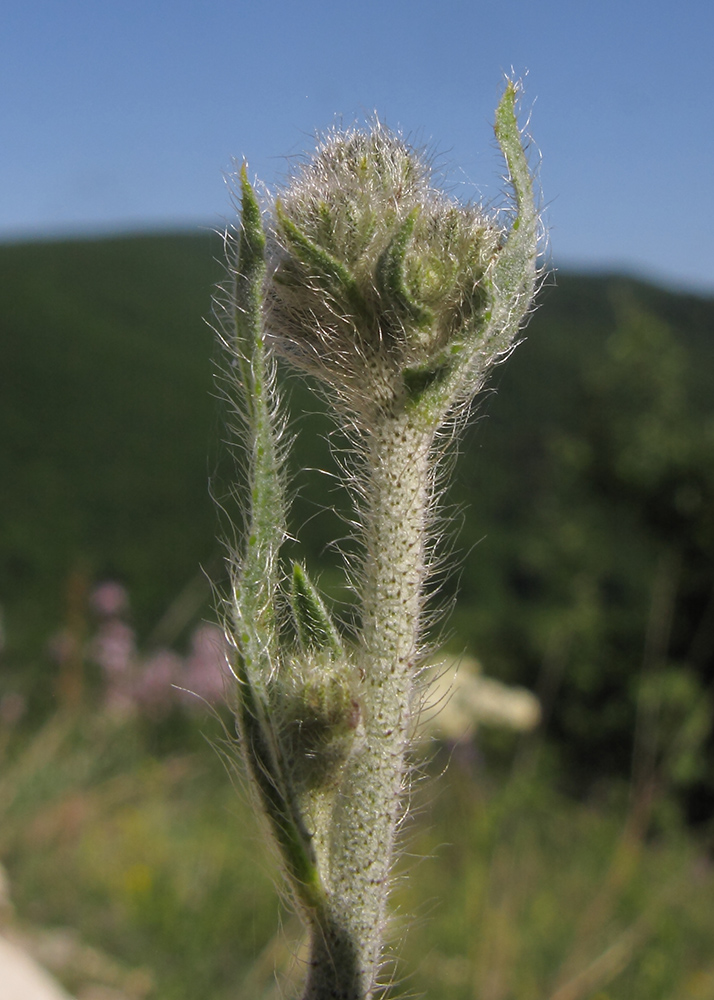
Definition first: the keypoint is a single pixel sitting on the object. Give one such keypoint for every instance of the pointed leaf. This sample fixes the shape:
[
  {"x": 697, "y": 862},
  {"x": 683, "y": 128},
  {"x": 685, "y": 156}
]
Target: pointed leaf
[
  {"x": 315, "y": 627},
  {"x": 250, "y": 271},
  {"x": 390, "y": 275},
  {"x": 514, "y": 275},
  {"x": 332, "y": 273},
  {"x": 262, "y": 752}
]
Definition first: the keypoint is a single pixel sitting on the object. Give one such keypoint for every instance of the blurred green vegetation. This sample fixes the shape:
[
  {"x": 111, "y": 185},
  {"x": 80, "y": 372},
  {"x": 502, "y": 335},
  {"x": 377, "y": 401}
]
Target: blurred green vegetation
[
  {"x": 106, "y": 417},
  {"x": 572, "y": 863},
  {"x": 509, "y": 889},
  {"x": 583, "y": 490}
]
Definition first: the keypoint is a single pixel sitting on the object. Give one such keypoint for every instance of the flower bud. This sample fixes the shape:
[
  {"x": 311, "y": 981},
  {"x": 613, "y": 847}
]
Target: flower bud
[
  {"x": 317, "y": 714},
  {"x": 374, "y": 272}
]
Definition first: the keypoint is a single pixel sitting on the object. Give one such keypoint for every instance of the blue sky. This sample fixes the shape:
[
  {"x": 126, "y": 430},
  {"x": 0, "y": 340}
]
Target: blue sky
[{"x": 123, "y": 115}]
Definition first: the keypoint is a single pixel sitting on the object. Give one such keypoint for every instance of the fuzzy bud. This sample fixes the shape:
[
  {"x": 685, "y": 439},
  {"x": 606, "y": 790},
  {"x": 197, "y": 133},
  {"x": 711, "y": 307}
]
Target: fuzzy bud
[
  {"x": 374, "y": 273},
  {"x": 317, "y": 715}
]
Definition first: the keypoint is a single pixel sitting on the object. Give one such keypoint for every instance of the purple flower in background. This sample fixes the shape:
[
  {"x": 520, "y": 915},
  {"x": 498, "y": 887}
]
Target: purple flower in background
[
  {"x": 109, "y": 599},
  {"x": 153, "y": 689},
  {"x": 154, "y": 684},
  {"x": 114, "y": 648},
  {"x": 206, "y": 664}
]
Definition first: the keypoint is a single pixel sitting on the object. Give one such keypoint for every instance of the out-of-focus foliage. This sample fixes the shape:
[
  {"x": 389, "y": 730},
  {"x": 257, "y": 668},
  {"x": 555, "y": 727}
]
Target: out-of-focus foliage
[
  {"x": 595, "y": 578},
  {"x": 140, "y": 875},
  {"x": 586, "y": 482},
  {"x": 105, "y": 422},
  {"x": 141, "y": 857},
  {"x": 587, "y": 485}
]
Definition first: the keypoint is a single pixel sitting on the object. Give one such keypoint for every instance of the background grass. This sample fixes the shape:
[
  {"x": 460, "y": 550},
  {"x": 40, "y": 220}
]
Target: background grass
[{"x": 509, "y": 888}]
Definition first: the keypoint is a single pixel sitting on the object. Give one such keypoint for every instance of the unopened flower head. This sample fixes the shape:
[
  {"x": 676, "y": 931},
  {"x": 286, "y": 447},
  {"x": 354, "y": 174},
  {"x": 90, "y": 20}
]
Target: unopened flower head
[{"x": 374, "y": 270}]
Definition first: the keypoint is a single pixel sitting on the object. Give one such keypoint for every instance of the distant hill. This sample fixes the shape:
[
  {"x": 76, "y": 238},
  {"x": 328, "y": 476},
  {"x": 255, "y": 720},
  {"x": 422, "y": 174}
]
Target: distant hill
[
  {"x": 106, "y": 419},
  {"x": 586, "y": 481}
]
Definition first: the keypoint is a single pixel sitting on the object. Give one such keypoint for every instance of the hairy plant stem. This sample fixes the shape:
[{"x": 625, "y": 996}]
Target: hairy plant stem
[{"x": 346, "y": 953}]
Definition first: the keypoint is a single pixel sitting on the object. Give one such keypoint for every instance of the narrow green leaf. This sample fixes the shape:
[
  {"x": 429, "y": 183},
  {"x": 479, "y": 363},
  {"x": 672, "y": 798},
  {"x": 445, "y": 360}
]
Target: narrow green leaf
[
  {"x": 332, "y": 273},
  {"x": 509, "y": 139},
  {"x": 507, "y": 287},
  {"x": 514, "y": 275},
  {"x": 315, "y": 628},
  {"x": 256, "y": 577},
  {"x": 250, "y": 272},
  {"x": 390, "y": 275},
  {"x": 267, "y": 770}
]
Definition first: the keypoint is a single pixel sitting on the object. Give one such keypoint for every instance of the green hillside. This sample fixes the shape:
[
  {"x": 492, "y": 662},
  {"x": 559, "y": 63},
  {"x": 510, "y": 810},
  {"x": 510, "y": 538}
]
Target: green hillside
[
  {"x": 583, "y": 497},
  {"x": 106, "y": 420}
]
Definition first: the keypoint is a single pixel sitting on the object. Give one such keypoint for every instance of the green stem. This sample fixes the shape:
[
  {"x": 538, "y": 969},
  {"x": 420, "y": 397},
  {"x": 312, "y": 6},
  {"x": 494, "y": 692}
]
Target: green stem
[{"x": 346, "y": 959}]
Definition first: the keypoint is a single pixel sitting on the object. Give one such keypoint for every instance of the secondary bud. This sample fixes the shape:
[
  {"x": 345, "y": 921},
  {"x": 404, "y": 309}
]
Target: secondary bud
[{"x": 317, "y": 715}]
